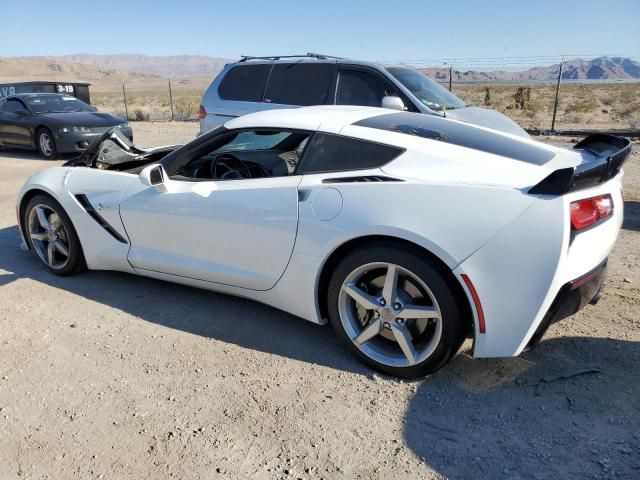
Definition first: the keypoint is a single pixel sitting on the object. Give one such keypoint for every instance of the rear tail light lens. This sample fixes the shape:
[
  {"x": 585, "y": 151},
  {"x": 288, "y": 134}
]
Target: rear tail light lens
[
  {"x": 585, "y": 213},
  {"x": 202, "y": 113}
]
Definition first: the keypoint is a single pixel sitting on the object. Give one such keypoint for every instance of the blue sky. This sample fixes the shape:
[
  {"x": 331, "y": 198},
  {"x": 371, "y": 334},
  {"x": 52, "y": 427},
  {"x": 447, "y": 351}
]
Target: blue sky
[{"x": 372, "y": 30}]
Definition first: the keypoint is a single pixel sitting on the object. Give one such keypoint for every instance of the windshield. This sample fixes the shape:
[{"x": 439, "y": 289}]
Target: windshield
[
  {"x": 57, "y": 104},
  {"x": 426, "y": 90}
]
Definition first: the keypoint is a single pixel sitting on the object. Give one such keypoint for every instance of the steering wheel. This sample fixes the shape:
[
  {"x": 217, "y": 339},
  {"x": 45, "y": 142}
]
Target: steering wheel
[{"x": 229, "y": 167}]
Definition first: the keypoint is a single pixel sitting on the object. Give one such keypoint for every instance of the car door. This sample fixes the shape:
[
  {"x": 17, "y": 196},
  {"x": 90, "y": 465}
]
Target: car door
[
  {"x": 14, "y": 123},
  {"x": 238, "y": 232},
  {"x": 364, "y": 86}
]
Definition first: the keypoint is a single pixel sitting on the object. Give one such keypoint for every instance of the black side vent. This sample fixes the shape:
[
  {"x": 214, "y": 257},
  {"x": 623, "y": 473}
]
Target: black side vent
[
  {"x": 361, "y": 179},
  {"x": 86, "y": 204}
]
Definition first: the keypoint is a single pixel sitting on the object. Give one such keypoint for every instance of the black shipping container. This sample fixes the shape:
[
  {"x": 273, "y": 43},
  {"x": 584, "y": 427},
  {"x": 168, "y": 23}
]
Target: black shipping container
[{"x": 79, "y": 90}]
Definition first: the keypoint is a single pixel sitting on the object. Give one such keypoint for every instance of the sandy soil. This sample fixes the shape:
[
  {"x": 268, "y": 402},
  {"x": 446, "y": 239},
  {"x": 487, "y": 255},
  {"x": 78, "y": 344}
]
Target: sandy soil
[{"x": 107, "y": 375}]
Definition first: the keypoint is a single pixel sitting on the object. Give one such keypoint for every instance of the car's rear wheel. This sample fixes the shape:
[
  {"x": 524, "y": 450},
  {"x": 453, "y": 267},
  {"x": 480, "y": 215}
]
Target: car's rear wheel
[
  {"x": 396, "y": 310},
  {"x": 52, "y": 237},
  {"x": 46, "y": 144}
]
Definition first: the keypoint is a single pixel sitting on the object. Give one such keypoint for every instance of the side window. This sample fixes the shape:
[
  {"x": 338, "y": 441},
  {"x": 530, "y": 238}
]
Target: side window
[
  {"x": 300, "y": 84},
  {"x": 238, "y": 155},
  {"x": 244, "y": 83},
  {"x": 334, "y": 153},
  {"x": 12, "y": 106},
  {"x": 362, "y": 88}
]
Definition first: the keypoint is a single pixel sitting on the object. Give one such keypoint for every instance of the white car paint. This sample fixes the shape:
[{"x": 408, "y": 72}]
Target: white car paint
[{"x": 269, "y": 238}]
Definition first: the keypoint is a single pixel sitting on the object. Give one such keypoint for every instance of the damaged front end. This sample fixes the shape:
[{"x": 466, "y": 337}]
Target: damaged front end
[{"x": 114, "y": 151}]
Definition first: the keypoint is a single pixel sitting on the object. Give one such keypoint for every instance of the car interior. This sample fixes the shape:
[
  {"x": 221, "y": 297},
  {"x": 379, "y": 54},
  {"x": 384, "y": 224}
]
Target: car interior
[{"x": 248, "y": 154}]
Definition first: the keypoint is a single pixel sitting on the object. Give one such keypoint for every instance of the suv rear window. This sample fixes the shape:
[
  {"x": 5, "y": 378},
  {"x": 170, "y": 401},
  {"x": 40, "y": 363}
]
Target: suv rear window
[
  {"x": 244, "y": 83},
  {"x": 335, "y": 153},
  {"x": 300, "y": 84}
]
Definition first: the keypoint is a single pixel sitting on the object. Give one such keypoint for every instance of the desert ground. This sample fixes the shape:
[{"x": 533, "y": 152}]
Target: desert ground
[{"x": 108, "y": 375}]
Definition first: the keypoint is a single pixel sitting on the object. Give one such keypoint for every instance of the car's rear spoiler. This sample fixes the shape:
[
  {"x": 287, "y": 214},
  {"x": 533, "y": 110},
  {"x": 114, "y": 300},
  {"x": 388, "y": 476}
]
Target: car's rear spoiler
[{"x": 610, "y": 152}]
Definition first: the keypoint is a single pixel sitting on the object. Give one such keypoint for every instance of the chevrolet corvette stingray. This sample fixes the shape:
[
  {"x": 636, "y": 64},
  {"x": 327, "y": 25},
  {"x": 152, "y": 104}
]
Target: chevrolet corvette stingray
[{"x": 408, "y": 233}]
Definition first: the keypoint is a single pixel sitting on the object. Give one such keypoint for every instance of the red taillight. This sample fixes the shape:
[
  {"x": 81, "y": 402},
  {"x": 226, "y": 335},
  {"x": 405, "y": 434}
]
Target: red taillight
[
  {"x": 202, "y": 113},
  {"x": 585, "y": 213}
]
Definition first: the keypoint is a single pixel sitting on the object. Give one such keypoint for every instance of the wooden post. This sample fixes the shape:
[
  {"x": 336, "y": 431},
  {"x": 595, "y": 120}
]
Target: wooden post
[
  {"x": 124, "y": 95},
  {"x": 171, "y": 100}
]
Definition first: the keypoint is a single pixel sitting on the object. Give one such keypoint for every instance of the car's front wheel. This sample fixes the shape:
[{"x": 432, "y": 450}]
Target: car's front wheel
[
  {"x": 52, "y": 237},
  {"x": 46, "y": 144},
  {"x": 395, "y": 309}
]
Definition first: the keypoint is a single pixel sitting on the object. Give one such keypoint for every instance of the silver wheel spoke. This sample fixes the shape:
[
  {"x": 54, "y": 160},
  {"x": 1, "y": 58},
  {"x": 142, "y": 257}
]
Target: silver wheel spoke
[
  {"x": 51, "y": 249},
  {"x": 38, "y": 236},
  {"x": 61, "y": 247},
  {"x": 390, "y": 284},
  {"x": 42, "y": 218},
  {"x": 418, "y": 311},
  {"x": 373, "y": 329},
  {"x": 404, "y": 340},
  {"x": 363, "y": 299}
]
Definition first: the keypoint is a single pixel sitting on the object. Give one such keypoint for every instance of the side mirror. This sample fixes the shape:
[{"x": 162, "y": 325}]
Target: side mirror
[
  {"x": 21, "y": 113},
  {"x": 394, "y": 103},
  {"x": 154, "y": 176}
]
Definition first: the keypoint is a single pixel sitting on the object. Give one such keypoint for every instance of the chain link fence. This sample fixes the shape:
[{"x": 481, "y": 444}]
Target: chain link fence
[
  {"x": 136, "y": 102},
  {"x": 558, "y": 103}
]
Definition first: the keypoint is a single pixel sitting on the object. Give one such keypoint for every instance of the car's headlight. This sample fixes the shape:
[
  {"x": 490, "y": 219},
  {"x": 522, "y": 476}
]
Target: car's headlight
[
  {"x": 124, "y": 125},
  {"x": 76, "y": 129}
]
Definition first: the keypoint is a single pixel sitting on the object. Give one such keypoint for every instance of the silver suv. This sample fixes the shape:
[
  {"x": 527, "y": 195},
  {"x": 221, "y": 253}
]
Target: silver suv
[{"x": 261, "y": 83}]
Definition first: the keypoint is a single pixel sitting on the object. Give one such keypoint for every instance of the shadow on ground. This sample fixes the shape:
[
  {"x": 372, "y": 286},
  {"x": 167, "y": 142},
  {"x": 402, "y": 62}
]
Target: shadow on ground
[
  {"x": 477, "y": 418},
  {"x": 226, "y": 318},
  {"x": 500, "y": 419},
  {"x": 631, "y": 215}
]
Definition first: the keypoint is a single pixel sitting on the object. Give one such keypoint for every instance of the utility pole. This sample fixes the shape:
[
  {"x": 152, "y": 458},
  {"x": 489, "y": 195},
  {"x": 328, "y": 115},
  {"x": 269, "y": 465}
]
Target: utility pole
[
  {"x": 555, "y": 103},
  {"x": 450, "y": 76}
]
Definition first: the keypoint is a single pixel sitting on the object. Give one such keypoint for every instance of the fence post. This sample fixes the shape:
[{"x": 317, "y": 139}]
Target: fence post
[
  {"x": 555, "y": 102},
  {"x": 124, "y": 95},
  {"x": 450, "y": 76},
  {"x": 171, "y": 99}
]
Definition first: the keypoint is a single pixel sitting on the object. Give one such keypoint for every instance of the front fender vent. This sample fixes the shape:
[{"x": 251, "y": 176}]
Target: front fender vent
[{"x": 86, "y": 204}]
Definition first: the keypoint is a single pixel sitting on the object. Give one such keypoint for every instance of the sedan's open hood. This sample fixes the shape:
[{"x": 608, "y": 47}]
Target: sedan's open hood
[{"x": 114, "y": 151}]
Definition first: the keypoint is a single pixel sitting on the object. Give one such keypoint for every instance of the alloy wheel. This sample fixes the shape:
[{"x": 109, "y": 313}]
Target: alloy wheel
[
  {"x": 390, "y": 314},
  {"x": 46, "y": 146},
  {"x": 48, "y": 236}
]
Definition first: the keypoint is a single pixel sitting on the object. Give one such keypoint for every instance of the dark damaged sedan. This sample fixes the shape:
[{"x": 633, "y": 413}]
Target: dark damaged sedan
[{"x": 53, "y": 123}]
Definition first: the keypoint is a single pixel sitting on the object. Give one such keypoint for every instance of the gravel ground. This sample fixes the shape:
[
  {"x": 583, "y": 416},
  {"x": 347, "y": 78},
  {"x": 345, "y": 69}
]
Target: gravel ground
[{"x": 107, "y": 375}]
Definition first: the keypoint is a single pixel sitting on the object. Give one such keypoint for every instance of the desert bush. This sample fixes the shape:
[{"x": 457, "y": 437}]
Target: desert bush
[
  {"x": 487, "y": 96},
  {"x": 141, "y": 115},
  {"x": 184, "y": 109}
]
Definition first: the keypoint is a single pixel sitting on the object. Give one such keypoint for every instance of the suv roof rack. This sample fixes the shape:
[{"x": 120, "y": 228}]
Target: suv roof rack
[{"x": 319, "y": 56}]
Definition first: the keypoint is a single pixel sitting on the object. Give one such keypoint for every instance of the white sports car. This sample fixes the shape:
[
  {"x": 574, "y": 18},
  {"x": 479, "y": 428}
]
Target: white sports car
[{"x": 407, "y": 232}]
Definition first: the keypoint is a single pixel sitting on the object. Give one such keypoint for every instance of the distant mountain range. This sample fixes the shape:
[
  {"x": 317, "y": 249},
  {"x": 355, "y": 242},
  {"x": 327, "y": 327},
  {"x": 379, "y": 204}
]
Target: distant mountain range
[
  {"x": 181, "y": 65},
  {"x": 196, "y": 71},
  {"x": 601, "y": 68}
]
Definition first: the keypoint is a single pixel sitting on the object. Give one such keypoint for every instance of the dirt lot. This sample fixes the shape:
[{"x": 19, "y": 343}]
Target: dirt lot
[{"x": 107, "y": 375}]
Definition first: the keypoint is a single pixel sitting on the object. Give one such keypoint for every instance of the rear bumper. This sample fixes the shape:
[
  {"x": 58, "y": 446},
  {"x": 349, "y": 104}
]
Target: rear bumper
[{"x": 572, "y": 297}]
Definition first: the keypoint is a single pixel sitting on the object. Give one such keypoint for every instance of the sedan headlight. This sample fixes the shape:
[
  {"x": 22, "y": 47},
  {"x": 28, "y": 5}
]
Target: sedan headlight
[
  {"x": 76, "y": 129},
  {"x": 124, "y": 125}
]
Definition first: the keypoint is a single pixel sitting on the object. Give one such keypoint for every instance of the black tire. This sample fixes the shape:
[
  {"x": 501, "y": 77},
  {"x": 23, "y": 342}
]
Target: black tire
[
  {"x": 454, "y": 323},
  {"x": 75, "y": 261},
  {"x": 52, "y": 153}
]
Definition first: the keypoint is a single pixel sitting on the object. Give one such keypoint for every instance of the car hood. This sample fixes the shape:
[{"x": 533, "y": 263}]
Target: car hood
[
  {"x": 114, "y": 151},
  {"x": 83, "y": 119},
  {"x": 487, "y": 118}
]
